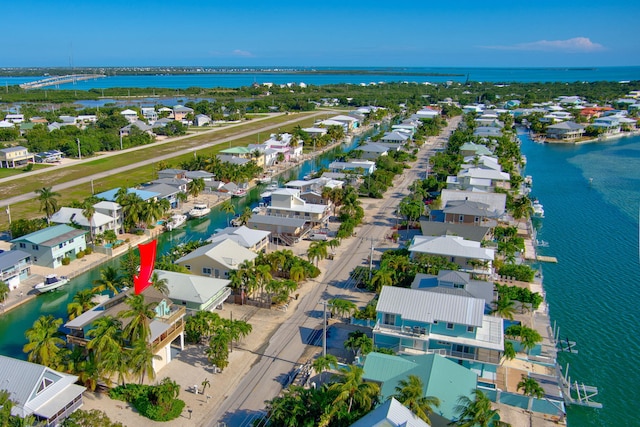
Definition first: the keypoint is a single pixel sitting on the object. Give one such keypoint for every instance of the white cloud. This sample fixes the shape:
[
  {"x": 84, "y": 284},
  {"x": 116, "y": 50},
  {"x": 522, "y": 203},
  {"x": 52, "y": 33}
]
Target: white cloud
[
  {"x": 239, "y": 52},
  {"x": 574, "y": 45}
]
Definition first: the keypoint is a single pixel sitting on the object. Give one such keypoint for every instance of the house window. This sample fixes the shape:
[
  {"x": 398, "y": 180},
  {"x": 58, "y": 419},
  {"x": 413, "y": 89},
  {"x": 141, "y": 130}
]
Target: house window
[
  {"x": 188, "y": 267},
  {"x": 35, "y": 247},
  {"x": 46, "y": 382},
  {"x": 217, "y": 273},
  {"x": 389, "y": 319},
  {"x": 435, "y": 322},
  {"x": 470, "y": 328},
  {"x": 23, "y": 245},
  {"x": 449, "y": 325},
  {"x": 206, "y": 271},
  {"x": 461, "y": 218},
  {"x": 458, "y": 285}
]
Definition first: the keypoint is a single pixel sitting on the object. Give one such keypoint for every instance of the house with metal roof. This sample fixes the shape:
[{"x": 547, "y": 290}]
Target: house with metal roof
[
  {"x": 284, "y": 230},
  {"x": 456, "y": 282},
  {"x": 138, "y": 124},
  {"x": 130, "y": 115},
  {"x": 110, "y": 195},
  {"x": 350, "y": 122},
  {"x": 478, "y": 178},
  {"x": 372, "y": 151},
  {"x": 287, "y": 202},
  {"x": 172, "y": 173},
  {"x": 15, "y": 266},
  {"x": 164, "y": 191},
  {"x": 166, "y": 326},
  {"x": 15, "y": 156},
  {"x": 473, "y": 149},
  {"x": 114, "y": 210},
  {"x": 216, "y": 259},
  {"x": 180, "y": 112},
  {"x": 487, "y": 132},
  {"x": 565, "y": 131},
  {"x": 49, "y": 246},
  {"x": 441, "y": 377},
  {"x": 390, "y": 414},
  {"x": 252, "y": 239},
  {"x": 396, "y": 137},
  {"x": 496, "y": 201},
  {"x": 36, "y": 390},
  {"x": 468, "y": 212},
  {"x": 361, "y": 167},
  {"x": 98, "y": 224},
  {"x": 412, "y": 321},
  {"x": 476, "y": 233},
  {"x": 196, "y": 293},
  {"x": 469, "y": 255}
]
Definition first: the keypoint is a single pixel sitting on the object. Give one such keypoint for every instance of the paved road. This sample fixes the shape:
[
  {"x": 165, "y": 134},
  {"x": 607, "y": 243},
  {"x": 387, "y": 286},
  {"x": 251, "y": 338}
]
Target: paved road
[
  {"x": 265, "y": 379},
  {"x": 89, "y": 178}
]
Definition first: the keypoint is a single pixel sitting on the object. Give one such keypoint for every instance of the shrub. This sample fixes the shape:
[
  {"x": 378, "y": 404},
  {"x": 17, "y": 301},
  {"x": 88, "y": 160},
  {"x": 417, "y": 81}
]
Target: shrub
[
  {"x": 66, "y": 261},
  {"x": 522, "y": 272},
  {"x": 142, "y": 397},
  {"x": 80, "y": 254},
  {"x": 88, "y": 251}
]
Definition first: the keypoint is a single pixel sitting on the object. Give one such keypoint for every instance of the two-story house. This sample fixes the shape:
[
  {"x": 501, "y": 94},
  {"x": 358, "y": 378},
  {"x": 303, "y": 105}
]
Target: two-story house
[
  {"x": 469, "y": 255},
  {"x": 413, "y": 321},
  {"x": 286, "y": 202},
  {"x": 15, "y": 266},
  {"x": 49, "y": 246},
  {"x": 252, "y": 239},
  {"x": 15, "y": 156},
  {"x": 216, "y": 259}
]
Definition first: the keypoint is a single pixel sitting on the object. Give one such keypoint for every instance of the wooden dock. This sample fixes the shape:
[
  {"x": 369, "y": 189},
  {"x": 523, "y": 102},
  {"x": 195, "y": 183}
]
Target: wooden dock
[{"x": 543, "y": 258}]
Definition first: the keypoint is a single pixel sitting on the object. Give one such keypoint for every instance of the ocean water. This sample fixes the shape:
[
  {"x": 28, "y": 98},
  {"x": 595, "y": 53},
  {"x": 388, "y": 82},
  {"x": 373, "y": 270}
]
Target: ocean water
[
  {"x": 375, "y": 75},
  {"x": 591, "y": 197}
]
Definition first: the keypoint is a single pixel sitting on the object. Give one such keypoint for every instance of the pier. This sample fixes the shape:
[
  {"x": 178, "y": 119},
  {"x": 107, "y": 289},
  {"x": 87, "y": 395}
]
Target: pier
[{"x": 58, "y": 80}]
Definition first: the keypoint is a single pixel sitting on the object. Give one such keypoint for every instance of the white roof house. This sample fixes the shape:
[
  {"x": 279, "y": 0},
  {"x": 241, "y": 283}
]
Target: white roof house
[
  {"x": 130, "y": 115},
  {"x": 452, "y": 246},
  {"x": 196, "y": 292},
  {"x": 495, "y": 201},
  {"x": 390, "y": 414},
  {"x": 224, "y": 255},
  {"x": 99, "y": 223},
  {"x": 255, "y": 240},
  {"x": 39, "y": 391}
]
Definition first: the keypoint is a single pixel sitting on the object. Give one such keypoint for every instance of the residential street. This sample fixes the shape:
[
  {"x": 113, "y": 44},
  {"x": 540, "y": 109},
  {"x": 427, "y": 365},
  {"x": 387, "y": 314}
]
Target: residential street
[{"x": 265, "y": 378}]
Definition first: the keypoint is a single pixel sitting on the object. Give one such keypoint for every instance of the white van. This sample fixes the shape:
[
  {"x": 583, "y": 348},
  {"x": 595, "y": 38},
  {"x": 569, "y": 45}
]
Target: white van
[{"x": 318, "y": 236}]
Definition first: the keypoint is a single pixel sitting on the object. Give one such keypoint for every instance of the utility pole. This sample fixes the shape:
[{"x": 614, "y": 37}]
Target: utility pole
[
  {"x": 371, "y": 261},
  {"x": 9, "y": 213},
  {"x": 324, "y": 328},
  {"x": 79, "y": 152}
]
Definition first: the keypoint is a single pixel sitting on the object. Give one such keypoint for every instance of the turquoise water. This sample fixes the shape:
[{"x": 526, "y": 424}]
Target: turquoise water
[
  {"x": 458, "y": 74},
  {"x": 591, "y": 197}
]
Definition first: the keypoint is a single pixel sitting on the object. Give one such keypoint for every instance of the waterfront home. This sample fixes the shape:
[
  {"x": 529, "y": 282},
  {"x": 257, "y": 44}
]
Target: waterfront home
[
  {"x": 15, "y": 266},
  {"x": 426, "y": 113},
  {"x": 390, "y": 414},
  {"x": 469, "y": 255},
  {"x": 468, "y": 212},
  {"x": 36, "y": 390},
  {"x": 204, "y": 175},
  {"x": 114, "y": 210},
  {"x": 479, "y": 179},
  {"x": 252, "y": 239},
  {"x": 609, "y": 125},
  {"x": 216, "y": 259},
  {"x": 489, "y": 122},
  {"x": 406, "y": 127},
  {"x": 481, "y": 162},
  {"x": 565, "y": 131},
  {"x": 456, "y": 282},
  {"x": 441, "y": 377},
  {"x": 286, "y": 202},
  {"x": 166, "y": 192},
  {"x": 360, "y": 167},
  {"x": 98, "y": 224},
  {"x": 349, "y": 122},
  {"x": 195, "y": 293},
  {"x": 285, "y": 144},
  {"x": 328, "y": 123},
  {"x": 110, "y": 195},
  {"x": 49, "y": 246},
  {"x": 396, "y": 137},
  {"x": 166, "y": 326},
  {"x": 284, "y": 230},
  {"x": 15, "y": 156},
  {"x": 476, "y": 233},
  {"x": 315, "y": 132},
  {"x": 497, "y": 201},
  {"x": 413, "y": 321},
  {"x": 130, "y": 115},
  {"x": 372, "y": 151},
  {"x": 473, "y": 149},
  {"x": 180, "y": 184},
  {"x": 487, "y": 132},
  {"x": 180, "y": 112},
  {"x": 172, "y": 173}
]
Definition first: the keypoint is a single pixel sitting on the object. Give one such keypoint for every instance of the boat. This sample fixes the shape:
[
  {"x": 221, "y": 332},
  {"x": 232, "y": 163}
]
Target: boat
[
  {"x": 240, "y": 192},
  {"x": 264, "y": 179},
  {"x": 51, "y": 282},
  {"x": 266, "y": 196},
  {"x": 199, "y": 210},
  {"x": 538, "y": 209},
  {"x": 176, "y": 220}
]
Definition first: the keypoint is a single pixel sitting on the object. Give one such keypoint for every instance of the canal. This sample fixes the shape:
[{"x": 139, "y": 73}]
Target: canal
[{"x": 14, "y": 323}]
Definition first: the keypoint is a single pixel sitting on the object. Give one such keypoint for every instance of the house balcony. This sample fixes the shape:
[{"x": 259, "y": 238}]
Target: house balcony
[
  {"x": 15, "y": 271},
  {"x": 482, "y": 355},
  {"x": 413, "y": 332}
]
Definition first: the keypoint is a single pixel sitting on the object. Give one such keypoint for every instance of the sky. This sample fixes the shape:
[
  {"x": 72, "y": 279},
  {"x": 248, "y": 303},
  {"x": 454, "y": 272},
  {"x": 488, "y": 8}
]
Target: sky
[{"x": 306, "y": 33}]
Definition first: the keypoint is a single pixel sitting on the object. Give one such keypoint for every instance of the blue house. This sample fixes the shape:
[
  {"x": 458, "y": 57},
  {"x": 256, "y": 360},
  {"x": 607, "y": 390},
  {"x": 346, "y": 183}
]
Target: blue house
[
  {"x": 49, "y": 246},
  {"x": 110, "y": 195},
  {"x": 413, "y": 321},
  {"x": 15, "y": 266}
]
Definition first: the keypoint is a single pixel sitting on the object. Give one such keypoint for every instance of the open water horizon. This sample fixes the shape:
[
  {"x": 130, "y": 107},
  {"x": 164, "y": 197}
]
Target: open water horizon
[{"x": 591, "y": 198}]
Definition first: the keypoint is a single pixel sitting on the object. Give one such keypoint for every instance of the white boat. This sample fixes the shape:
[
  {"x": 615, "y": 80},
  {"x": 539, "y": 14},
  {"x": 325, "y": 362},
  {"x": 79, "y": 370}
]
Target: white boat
[
  {"x": 51, "y": 282},
  {"x": 199, "y": 210},
  {"x": 538, "y": 210},
  {"x": 264, "y": 179},
  {"x": 177, "y": 220},
  {"x": 240, "y": 192}
]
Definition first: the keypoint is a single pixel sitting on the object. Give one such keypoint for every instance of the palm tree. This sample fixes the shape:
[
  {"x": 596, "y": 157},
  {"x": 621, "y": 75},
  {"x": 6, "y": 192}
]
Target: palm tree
[
  {"x": 195, "y": 187},
  {"x": 522, "y": 207},
  {"x": 317, "y": 250},
  {"x": 141, "y": 314},
  {"x": 530, "y": 387},
  {"x": 322, "y": 363},
  {"x": 351, "y": 389},
  {"x": 159, "y": 284},
  {"x": 382, "y": 277},
  {"x": 410, "y": 393},
  {"x": 359, "y": 341},
  {"x": 82, "y": 301},
  {"x": 182, "y": 197},
  {"x": 297, "y": 273},
  {"x": 105, "y": 336},
  {"x": 246, "y": 215},
  {"x": 141, "y": 360},
  {"x": 342, "y": 307},
  {"x": 88, "y": 211},
  {"x": 4, "y": 291},
  {"x": 110, "y": 280},
  {"x": 228, "y": 208},
  {"x": 504, "y": 307},
  {"x": 48, "y": 201},
  {"x": 476, "y": 412},
  {"x": 45, "y": 342}
]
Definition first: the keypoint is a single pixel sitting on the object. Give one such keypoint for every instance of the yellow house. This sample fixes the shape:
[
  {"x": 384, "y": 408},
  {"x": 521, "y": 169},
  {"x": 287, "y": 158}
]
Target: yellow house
[{"x": 15, "y": 156}]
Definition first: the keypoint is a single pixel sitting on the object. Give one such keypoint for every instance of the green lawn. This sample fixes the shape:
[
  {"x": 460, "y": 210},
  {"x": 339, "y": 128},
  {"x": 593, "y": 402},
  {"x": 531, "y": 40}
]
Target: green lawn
[{"x": 30, "y": 209}]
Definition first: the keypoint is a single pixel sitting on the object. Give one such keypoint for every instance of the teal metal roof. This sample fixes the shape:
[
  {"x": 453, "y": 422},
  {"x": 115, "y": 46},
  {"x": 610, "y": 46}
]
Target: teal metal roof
[
  {"x": 47, "y": 234},
  {"x": 441, "y": 377},
  {"x": 236, "y": 150}
]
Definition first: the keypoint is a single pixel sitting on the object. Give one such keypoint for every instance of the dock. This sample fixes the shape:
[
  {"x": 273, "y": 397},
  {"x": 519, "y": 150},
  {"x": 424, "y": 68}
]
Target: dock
[
  {"x": 58, "y": 80},
  {"x": 544, "y": 258}
]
